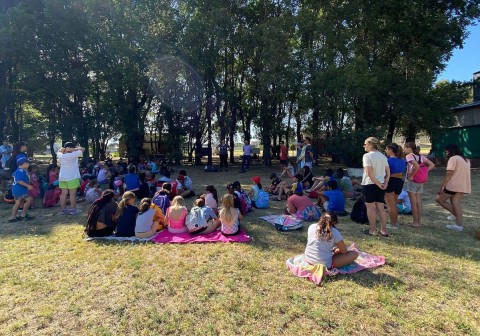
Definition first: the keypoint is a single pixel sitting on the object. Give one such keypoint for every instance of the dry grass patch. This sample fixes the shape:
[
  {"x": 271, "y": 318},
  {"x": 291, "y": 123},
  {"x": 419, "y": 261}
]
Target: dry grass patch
[{"x": 53, "y": 282}]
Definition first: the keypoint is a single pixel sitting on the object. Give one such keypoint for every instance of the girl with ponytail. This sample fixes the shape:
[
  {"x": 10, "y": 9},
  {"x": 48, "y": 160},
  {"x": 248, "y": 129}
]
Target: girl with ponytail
[
  {"x": 147, "y": 222},
  {"x": 126, "y": 215}
]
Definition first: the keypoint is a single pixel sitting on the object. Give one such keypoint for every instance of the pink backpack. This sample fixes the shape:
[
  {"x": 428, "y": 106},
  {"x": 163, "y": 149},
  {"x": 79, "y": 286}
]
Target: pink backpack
[{"x": 421, "y": 176}]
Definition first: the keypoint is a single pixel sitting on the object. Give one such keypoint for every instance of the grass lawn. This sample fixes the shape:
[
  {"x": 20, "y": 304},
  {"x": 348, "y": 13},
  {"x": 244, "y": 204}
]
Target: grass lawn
[{"x": 55, "y": 283}]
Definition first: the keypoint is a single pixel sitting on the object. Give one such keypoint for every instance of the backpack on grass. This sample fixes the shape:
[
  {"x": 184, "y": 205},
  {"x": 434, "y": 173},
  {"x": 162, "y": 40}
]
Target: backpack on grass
[
  {"x": 359, "y": 212},
  {"x": 263, "y": 200}
]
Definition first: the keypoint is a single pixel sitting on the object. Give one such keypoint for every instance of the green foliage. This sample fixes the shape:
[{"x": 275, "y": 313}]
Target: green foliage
[
  {"x": 279, "y": 67},
  {"x": 347, "y": 148}
]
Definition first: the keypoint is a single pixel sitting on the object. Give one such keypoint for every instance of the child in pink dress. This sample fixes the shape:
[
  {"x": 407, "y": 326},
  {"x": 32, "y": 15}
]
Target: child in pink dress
[{"x": 176, "y": 214}]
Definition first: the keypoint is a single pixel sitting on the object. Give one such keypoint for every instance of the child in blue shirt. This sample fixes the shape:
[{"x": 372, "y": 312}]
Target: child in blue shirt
[
  {"x": 20, "y": 190},
  {"x": 332, "y": 199}
]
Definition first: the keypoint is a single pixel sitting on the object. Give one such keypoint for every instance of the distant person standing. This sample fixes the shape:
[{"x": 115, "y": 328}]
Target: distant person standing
[
  {"x": 308, "y": 152},
  {"x": 247, "y": 155},
  {"x": 69, "y": 177},
  {"x": 300, "y": 155},
  {"x": 455, "y": 185},
  {"x": 223, "y": 153},
  {"x": 283, "y": 153},
  {"x": 6, "y": 152}
]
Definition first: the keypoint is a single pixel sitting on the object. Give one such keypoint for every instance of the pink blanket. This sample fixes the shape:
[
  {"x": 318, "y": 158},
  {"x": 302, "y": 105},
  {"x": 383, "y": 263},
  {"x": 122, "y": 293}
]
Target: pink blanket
[
  {"x": 166, "y": 237},
  {"x": 298, "y": 266}
]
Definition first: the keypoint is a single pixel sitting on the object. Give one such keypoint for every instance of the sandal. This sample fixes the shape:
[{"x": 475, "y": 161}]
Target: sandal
[
  {"x": 11, "y": 220},
  {"x": 385, "y": 235},
  {"x": 414, "y": 226},
  {"x": 368, "y": 233},
  {"x": 26, "y": 217}
]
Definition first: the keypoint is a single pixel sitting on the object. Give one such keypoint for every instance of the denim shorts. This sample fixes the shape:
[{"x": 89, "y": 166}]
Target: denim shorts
[{"x": 413, "y": 187}]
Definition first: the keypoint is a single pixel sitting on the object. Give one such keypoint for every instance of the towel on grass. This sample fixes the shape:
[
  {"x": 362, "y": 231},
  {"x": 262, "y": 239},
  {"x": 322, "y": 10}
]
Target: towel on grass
[
  {"x": 287, "y": 222},
  {"x": 166, "y": 237},
  {"x": 298, "y": 266}
]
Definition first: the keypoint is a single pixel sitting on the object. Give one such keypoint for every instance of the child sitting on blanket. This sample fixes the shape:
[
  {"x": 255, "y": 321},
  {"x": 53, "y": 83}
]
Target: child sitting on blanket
[
  {"x": 176, "y": 214},
  {"x": 148, "y": 221},
  {"x": 126, "y": 215},
  {"x": 211, "y": 198},
  {"x": 229, "y": 216},
  {"x": 325, "y": 244}
]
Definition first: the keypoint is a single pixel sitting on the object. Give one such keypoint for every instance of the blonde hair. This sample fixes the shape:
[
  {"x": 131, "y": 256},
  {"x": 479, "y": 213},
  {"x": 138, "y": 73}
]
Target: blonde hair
[
  {"x": 123, "y": 203},
  {"x": 228, "y": 212},
  {"x": 177, "y": 203},
  {"x": 374, "y": 142}
]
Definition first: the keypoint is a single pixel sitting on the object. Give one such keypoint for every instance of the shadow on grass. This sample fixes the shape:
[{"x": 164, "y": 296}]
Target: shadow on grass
[{"x": 367, "y": 278}]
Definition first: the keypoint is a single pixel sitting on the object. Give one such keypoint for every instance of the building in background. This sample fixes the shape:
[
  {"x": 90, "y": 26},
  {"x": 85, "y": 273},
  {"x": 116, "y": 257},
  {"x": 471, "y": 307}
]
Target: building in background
[{"x": 466, "y": 132}]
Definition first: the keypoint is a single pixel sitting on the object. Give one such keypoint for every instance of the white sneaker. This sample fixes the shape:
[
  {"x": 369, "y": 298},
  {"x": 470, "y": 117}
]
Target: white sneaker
[
  {"x": 75, "y": 212},
  {"x": 451, "y": 218},
  {"x": 394, "y": 227},
  {"x": 455, "y": 227},
  {"x": 65, "y": 212}
]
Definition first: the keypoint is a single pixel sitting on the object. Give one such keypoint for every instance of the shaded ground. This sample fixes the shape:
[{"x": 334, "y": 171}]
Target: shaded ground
[{"x": 53, "y": 282}]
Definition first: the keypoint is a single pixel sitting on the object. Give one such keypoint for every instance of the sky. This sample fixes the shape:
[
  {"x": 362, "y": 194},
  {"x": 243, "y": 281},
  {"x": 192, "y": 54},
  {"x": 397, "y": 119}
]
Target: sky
[{"x": 464, "y": 62}]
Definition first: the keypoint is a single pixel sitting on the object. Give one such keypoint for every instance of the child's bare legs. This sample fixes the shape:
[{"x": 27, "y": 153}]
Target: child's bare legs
[
  {"x": 454, "y": 207},
  {"x": 73, "y": 198},
  {"x": 416, "y": 201},
  {"x": 340, "y": 260},
  {"x": 391, "y": 200},
  {"x": 26, "y": 206},
  {"x": 15, "y": 208},
  {"x": 63, "y": 199}
]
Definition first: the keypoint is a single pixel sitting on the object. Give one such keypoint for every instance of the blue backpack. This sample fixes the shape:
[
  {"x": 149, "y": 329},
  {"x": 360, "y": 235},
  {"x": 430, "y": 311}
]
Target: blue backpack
[{"x": 263, "y": 200}]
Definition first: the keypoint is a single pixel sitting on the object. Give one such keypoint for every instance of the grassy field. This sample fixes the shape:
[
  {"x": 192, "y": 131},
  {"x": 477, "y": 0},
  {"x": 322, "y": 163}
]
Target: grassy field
[{"x": 55, "y": 283}]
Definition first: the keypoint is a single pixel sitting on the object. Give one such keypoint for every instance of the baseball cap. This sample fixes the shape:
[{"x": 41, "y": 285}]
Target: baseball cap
[
  {"x": 69, "y": 145},
  {"x": 256, "y": 179},
  {"x": 22, "y": 160}
]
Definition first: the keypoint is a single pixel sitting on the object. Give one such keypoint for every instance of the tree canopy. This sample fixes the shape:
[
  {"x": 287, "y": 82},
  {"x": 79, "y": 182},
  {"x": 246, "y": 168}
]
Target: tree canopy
[{"x": 193, "y": 71}]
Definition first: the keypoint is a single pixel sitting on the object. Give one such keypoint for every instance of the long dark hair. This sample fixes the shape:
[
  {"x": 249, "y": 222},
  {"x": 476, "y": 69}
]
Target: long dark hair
[
  {"x": 16, "y": 147},
  {"x": 95, "y": 209},
  {"x": 454, "y": 149},
  {"x": 396, "y": 149},
  {"x": 213, "y": 191}
]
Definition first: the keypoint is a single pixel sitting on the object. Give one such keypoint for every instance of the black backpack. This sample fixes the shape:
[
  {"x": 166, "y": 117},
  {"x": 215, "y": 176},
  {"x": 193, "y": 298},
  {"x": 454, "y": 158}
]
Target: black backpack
[
  {"x": 11, "y": 164},
  {"x": 359, "y": 212}
]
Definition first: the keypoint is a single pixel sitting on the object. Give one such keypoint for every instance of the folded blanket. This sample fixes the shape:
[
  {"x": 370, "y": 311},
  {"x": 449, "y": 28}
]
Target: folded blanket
[
  {"x": 166, "y": 237},
  {"x": 298, "y": 266},
  {"x": 283, "y": 222}
]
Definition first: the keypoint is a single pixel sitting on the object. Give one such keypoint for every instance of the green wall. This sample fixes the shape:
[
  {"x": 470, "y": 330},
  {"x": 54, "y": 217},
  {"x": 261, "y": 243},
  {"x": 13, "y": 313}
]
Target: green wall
[{"x": 468, "y": 138}]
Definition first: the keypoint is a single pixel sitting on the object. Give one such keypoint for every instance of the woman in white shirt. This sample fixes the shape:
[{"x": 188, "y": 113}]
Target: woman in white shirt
[{"x": 69, "y": 177}]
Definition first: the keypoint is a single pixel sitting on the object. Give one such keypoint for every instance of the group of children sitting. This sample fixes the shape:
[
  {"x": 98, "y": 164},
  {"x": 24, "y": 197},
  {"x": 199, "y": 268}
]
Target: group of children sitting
[{"x": 165, "y": 210}]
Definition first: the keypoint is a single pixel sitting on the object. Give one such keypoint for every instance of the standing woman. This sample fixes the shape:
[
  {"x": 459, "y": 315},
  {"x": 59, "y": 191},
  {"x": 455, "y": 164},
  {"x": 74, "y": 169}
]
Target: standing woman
[
  {"x": 376, "y": 175},
  {"x": 69, "y": 177},
  {"x": 414, "y": 189},
  {"x": 455, "y": 185},
  {"x": 397, "y": 165}
]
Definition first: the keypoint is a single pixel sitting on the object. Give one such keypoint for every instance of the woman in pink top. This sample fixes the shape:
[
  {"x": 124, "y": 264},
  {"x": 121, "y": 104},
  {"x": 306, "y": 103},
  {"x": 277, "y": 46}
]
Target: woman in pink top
[
  {"x": 176, "y": 214},
  {"x": 455, "y": 185}
]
